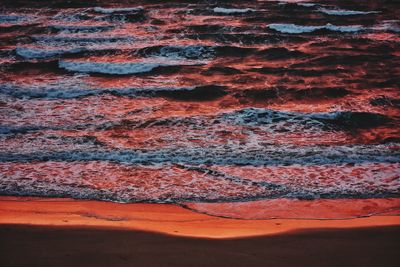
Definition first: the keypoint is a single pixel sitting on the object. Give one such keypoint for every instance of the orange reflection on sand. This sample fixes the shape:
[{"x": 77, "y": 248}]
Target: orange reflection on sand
[
  {"x": 167, "y": 219},
  {"x": 300, "y": 209}
]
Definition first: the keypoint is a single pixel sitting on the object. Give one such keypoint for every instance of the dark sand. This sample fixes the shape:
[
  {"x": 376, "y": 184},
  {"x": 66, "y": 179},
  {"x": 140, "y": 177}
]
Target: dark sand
[
  {"x": 66, "y": 232},
  {"x": 23, "y": 245}
]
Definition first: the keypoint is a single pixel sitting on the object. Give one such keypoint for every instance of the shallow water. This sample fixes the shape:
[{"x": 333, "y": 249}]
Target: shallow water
[{"x": 246, "y": 109}]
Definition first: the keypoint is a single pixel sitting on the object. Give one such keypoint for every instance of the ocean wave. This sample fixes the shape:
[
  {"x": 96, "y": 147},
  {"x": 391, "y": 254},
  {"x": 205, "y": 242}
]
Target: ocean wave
[
  {"x": 19, "y": 20},
  {"x": 82, "y": 28},
  {"x": 11, "y": 18},
  {"x": 109, "y": 68},
  {"x": 42, "y": 53},
  {"x": 222, "y": 10},
  {"x": 268, "y": 101},
  {"x": 177, "y": 52},
  {"x": 345, "y": 119},
  {"x": 280, "y": 53},
  {"x": 62, "y": 91},
  {"x": 104, "y": 10},
  {"x": 267, "y": 155},
  {"x": 165, "y": 183},
  {"x": 388, "y": 25},
  {"x": 95, "y": 39},
  {"x": 81, "y": 90},
  {"x": 144, "y": 183},
  {"x": 123, "y": 68},
  {"x": 195, "y": 51},
  {"x": 199, "y": 93},
  {"x": 294, "y": 28},
  {"x": 244, "y": 39},
  {"x": 343, "y": 12},
  {"x": 47, "y": 140},
  {"x": 120, "y": 68},
  {"x": 307, "y": 4}
]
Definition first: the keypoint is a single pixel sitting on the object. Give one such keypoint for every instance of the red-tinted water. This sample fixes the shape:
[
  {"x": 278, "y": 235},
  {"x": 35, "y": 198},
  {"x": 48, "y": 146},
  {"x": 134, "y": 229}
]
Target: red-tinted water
[{"x": 252, "y": 109}]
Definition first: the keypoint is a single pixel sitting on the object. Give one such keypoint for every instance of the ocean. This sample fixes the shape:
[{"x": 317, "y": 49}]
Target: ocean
[{"x": 240, "y": 109}]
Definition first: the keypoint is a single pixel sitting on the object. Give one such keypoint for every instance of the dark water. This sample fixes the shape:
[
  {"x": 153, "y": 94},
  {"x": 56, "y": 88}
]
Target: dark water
[{"x": 201, "y": 101}]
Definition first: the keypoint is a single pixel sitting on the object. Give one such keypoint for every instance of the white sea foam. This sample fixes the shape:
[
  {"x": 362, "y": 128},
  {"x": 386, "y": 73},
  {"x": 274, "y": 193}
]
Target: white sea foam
[
  {"x": 293, "y": 121},
  {"x": 109, "y": 68},
  {"x": 88, "y": 41},
  {"x": 124, "y": 68},
  {"x": 235, "y": 154},
  {"x": 75, "y": 89},
  {"x": 117, "y": 10},
  {"x": 294, "y": 28},
  {"x": 232, "y": 10},
  {"x": 10, "y": 18},
  {"x": 343, "y": 12},
  {"x": 38, "y": 53},
  {"x": 15, "y": 19},
  {"x": 352, "y": 28},
  {"x": 127, "y": 183},
  {"x": 189, "y": 52},
  {"x": 388, "y": 25},
  {"x": 307, "y": 4}
]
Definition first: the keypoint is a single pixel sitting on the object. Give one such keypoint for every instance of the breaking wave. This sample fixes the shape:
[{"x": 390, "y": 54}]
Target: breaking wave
[
  {"x": 37, "y": 53},
  {"x": 293, "y": 28},
  {"x": 232, "y": 10}
]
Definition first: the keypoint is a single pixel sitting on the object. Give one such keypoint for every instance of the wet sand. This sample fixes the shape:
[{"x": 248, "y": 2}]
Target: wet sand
[
  {"x": 79, "y": 246},
  {"x": 65, "y": 232},
  {"x": 162, "y": 218}
]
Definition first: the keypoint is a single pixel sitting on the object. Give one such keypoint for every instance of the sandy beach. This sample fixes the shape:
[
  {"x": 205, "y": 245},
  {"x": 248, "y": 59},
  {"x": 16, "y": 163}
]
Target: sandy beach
[
  {"x": 66, "y": 232},
  {"x": 199, "y": 133}
]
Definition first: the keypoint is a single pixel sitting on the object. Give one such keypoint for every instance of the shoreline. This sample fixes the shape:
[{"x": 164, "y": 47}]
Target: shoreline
[
  {"x": 67, "y": 232},
  {"x": 162, "y": 218}
]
